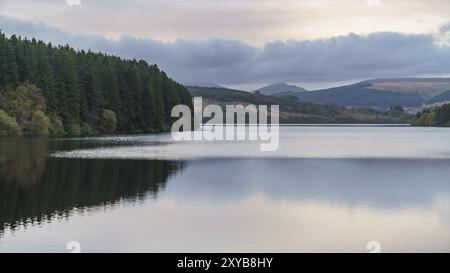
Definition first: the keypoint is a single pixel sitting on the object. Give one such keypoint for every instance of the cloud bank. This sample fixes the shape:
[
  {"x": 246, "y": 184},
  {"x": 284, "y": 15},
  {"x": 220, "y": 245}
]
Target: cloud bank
[{"x": 224, "y": 61}]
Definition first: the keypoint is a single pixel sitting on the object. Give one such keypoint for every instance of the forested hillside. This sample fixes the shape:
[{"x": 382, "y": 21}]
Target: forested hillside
[
  {"x": 293, "y": 110},
  {"x": 439, "y": 116},
  {"x": 46, "y": 89}
]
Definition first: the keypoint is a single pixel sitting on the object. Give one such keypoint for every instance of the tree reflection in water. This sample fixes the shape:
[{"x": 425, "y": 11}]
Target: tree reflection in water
[{"x": 36, "y": 188}]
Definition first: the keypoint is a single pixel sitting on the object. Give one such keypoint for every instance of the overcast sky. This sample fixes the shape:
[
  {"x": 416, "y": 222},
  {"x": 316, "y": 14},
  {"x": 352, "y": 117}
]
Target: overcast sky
[{"x": 246, "y": 43}]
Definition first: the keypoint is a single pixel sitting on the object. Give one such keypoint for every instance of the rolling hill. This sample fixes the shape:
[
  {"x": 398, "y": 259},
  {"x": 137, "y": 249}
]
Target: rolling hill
[
  {"x": 379, "y": 93},
  {"x": 360, "y": 95},
  {"x": 426, "y": 88},
  {"x": 293, "y": 110},
  {"x": 279, "y": 88},
  {"x": 444, "y": 97}
]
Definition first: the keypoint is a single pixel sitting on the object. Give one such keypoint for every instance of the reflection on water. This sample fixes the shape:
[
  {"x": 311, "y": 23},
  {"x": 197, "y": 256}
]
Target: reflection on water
[
  {"x": 295, "y": 142},
  {"x": 22, "y": 160},
  {"x": 379, "y": 184},
  {"x": 222, "y": 204},
  {"x": 35, "y": 188}
]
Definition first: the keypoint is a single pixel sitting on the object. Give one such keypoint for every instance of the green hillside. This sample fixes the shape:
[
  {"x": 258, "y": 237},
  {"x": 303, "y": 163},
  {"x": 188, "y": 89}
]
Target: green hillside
[
  {"x": 438, "y": 117},
  {"x": 46, "y": 89},
  {"x": 293, "y": 110}
]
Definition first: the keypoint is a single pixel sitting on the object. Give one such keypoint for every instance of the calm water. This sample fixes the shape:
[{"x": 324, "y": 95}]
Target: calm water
[{"x": 324, "y": 189}]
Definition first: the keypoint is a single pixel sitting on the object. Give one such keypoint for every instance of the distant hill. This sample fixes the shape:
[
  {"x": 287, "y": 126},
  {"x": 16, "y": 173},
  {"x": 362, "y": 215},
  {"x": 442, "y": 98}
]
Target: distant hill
[
  {"x": 293, "y": 110},
  {"x": 426, "y": 88},
  {"x": 219, "y": 93},
  {"x": 360, "y": 95},
  {"x": 444, "y": 97},
  {"x": 378, "y": 93},
  {"x": 277, "y": 88},
  {"x": 204, "y": 84}
]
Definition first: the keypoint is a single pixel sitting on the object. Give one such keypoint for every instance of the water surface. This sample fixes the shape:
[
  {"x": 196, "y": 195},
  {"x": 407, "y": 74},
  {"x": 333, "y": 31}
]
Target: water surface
[{"x": 325, "y": 189}]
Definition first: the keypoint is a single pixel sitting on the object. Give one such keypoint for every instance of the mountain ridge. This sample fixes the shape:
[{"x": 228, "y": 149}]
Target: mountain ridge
[
  {"x": 279, "y": 87},
  {"x": 293, "y": 110},
  {"x": 379, "y": 93}
]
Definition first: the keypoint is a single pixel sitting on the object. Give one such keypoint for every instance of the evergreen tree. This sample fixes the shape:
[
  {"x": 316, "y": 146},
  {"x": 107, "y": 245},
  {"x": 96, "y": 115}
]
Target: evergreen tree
[
  {"x": 83, "y": 91},
  {"x": 8, "y": 66}
]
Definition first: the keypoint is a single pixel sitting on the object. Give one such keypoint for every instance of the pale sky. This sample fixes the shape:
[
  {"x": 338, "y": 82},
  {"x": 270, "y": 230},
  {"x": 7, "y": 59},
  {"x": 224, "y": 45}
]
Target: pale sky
[
  {"x": 251, "y": 42},
  {"x": 253, "y": 21}
]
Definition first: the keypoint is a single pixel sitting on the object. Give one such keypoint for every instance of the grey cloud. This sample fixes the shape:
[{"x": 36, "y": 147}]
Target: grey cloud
[{"x": 382, "y": 54}]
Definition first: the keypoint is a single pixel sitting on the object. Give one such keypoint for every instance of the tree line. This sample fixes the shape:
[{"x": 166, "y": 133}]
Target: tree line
[
  {"x": 438, "y": 116},
  {"x": 57, "y": 90}
]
